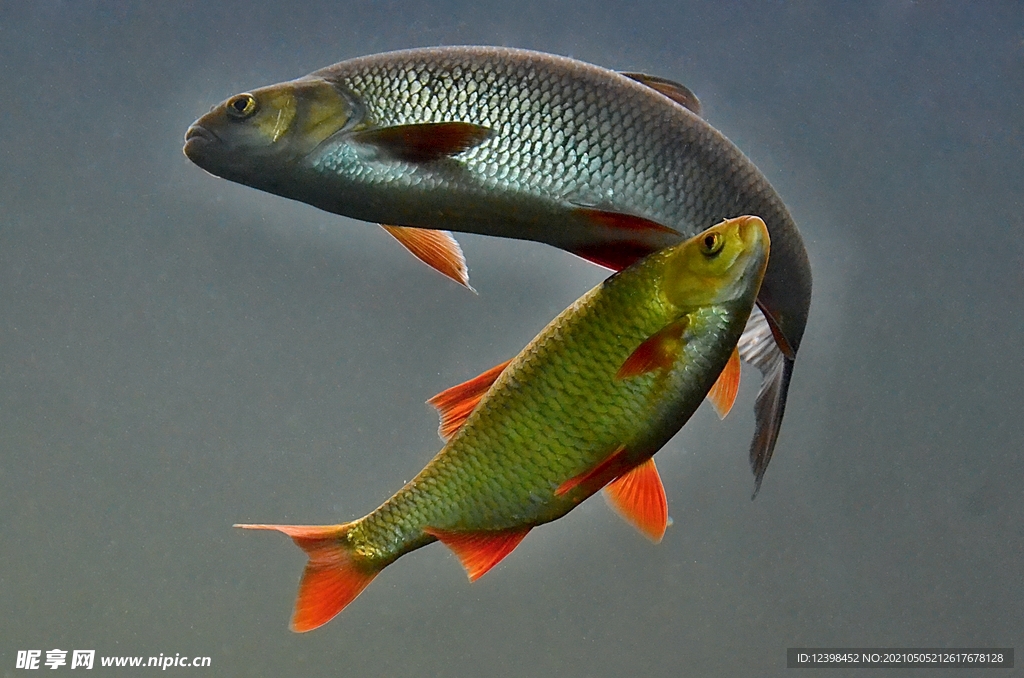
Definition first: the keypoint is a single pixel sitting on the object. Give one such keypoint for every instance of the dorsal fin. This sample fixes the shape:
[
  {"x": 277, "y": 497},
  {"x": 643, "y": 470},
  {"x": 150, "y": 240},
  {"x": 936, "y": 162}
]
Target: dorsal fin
[
  {"x": 480, "y": 551},
  {"x": 658, "y": 352},
  {"x": 437, "y": 249},
  {"x": 455, "y": 404},
  {"x": 723, "y": 394},
  {"x": 423, "y": 142},
  {"x": 639, "y": 497},
  {"x": 681, "y": 94}
]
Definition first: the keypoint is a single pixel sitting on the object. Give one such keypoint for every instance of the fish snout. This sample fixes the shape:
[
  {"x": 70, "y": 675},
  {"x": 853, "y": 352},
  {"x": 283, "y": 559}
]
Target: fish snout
[
  {"x": 197, "y": 136},
  {"x": 753, "y": 231}
]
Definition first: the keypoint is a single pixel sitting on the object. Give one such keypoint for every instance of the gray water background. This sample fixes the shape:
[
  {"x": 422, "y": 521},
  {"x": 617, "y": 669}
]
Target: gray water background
[{"x": 179, "y": 353}]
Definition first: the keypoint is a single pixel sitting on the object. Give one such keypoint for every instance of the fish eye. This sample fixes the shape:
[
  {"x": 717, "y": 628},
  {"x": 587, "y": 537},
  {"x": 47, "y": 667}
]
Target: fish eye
[
  {"x": 241, "y": 106},
  {"x": 711, "y": 244}
]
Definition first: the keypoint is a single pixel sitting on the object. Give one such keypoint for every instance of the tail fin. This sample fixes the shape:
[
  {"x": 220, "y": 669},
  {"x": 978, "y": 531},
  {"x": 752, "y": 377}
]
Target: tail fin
[{"x": 333, "y": 577}]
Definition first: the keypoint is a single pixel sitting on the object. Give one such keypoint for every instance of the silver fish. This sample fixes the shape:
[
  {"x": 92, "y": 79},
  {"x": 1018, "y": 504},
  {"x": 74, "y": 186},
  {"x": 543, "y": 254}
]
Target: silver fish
[{"x": 518, "y": 144}]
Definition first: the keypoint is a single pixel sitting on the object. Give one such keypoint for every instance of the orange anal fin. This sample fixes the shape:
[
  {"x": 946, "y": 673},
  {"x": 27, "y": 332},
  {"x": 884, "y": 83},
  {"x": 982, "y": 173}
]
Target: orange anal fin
[
  {"x": 480, "y": 551},
  {"x": 620, "y": 221},
  {"x": 614, "y": 256},
  {"x": 630, "y": 242},
  {"x": 455, "y": 404},
  {"x": 437, "y": 249},
  {"x": 332, "y": 578},
  {"x": 678, "y": 93},
  {"x": 723, "y": 394},
  {"x": 424, "y": 142},
  {"x": 597, "y": 477},
  {"x": 639, "y": 497},
  {"x": 659, "y": 351}
]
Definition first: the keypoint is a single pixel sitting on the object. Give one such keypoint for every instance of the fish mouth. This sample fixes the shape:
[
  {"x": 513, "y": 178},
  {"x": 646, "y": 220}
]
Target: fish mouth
[{"x": 197, "y": 136}]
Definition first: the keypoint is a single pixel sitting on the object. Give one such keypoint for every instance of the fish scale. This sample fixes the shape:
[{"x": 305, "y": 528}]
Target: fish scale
[
  {"x": 534, "y": 147},
  {"x": 496, "y": 464},
  {"x": 583, "y": 407}
]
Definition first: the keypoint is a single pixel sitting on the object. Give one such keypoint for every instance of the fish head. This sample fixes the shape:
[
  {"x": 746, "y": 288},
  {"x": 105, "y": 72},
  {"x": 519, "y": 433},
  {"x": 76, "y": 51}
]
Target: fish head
[
  {"x": 724, "y": 264},
  {"x": 253, "y": 136}
]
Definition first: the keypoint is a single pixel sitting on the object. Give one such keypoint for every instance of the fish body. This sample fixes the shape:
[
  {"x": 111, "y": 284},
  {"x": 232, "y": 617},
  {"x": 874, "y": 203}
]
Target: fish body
[
  {"x": 516, "y": 144},
  {"x": 584, "y": 406}
]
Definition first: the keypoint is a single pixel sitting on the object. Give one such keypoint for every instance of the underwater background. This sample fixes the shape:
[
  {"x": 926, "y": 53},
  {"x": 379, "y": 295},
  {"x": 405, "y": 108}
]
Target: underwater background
[{"x": 179, "y": 353}]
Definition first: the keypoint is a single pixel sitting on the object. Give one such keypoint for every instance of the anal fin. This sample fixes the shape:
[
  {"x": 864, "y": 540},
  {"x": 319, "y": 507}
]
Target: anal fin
[
  {"x": 631, "y": 238},
  {"x": 639, "y": 497},
  {"x": 455, "y": 404},
  {"x": 480, "y": 551},
  {"x": 723, "y": 394},
  {"x": 437, "y": 249}
]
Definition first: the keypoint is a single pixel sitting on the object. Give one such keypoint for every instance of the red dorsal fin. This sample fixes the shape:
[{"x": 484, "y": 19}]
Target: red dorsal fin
[
  {"x": 639, "y": 497},
  {"x": 657, "y": 352},
  {"x": 333, "y": 578},
  {"x": 424, "y": 142},
  {"x": 480, "y": 551},
  {"x": 455, "y": 404},
  {"x": 678, "y": 93},
  {"x": 723, "y": 394},
  {"x": 437, "y": 249},
  {"x": 597, "y": 477}
]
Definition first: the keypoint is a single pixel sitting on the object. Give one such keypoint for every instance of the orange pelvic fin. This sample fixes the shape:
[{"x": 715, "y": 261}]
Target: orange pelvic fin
[
  {"x": 480, "y": 551},
  {"x": 639, "y": 497},
  {"x": 437, "y": 249},
  {"x": 723, "y": 394},
  {"x": 597, "y": 476},
  {"x": 455, "y": 404},
  {"x": 658, "y": 352},
  {"x": 680, "y": 94},
  {"x": 332, "y": 578},
  {"x": 424, "y": 142}
]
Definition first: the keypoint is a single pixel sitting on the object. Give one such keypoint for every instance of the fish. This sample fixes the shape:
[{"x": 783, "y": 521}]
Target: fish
[
  {"x": 584, "y": 407},
  {"x": 518, "y": 144}
]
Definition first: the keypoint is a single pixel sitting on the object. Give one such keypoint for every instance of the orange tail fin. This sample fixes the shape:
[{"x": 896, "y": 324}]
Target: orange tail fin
[{"x": 333, "y": 577}]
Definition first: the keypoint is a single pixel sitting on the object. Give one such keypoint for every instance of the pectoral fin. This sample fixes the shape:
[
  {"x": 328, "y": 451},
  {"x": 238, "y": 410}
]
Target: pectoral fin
[
  {"x": 639, "y": 497},
  {"x": 673, "y": 90},
  {"x": 423, "y": 142},
  {"x": 480, "y": 551},
  {"x": 437, "y": 249},
  {"x": 656, "y": 353},
  {"x": 723, "y": 394},
  {"x": 455, "y": 404}
]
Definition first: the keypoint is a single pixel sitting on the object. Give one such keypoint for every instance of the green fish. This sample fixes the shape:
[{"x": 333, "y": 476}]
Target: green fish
[
  {"x": 583, "y": 407},
  {"x": 609, "y": 166}
]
